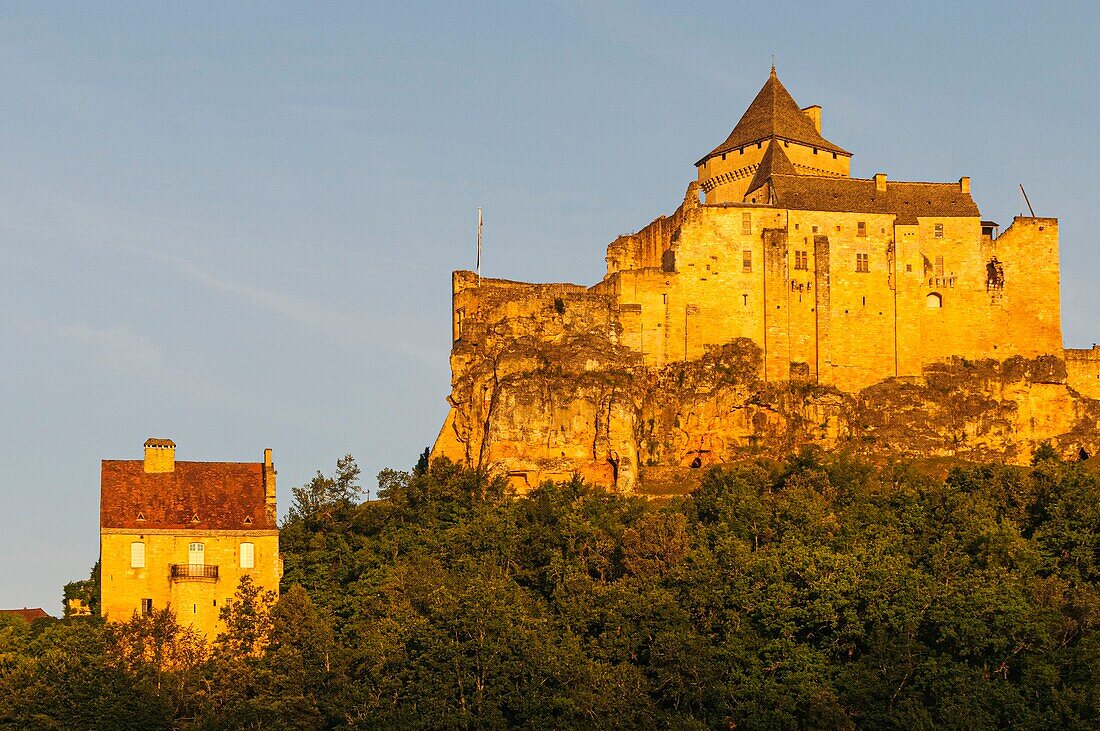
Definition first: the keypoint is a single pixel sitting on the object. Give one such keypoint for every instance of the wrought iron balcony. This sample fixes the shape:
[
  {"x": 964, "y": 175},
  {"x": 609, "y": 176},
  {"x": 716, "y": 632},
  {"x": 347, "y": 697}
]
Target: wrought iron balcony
[{"x": 185, "y": 571}]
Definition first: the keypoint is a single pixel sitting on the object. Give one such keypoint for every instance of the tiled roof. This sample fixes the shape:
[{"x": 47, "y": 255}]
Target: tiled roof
[
  {"x": 220, "y": 495},
  {"x": 774, "y": 162},
  {"x": 907, "y": 201},
  {"x": 773, "y": 113},
  {"x": 28, "y": 614}
]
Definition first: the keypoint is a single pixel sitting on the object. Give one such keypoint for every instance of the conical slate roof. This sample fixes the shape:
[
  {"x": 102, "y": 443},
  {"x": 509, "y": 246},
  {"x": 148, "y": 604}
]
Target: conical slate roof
[
  {"x": 773, "y": 113},
  {"x": 774, "y": 162}
]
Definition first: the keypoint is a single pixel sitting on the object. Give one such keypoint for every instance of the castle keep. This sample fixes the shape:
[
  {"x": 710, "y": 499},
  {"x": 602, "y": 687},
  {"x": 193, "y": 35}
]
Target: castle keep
[{"x": 828, "y": 280}]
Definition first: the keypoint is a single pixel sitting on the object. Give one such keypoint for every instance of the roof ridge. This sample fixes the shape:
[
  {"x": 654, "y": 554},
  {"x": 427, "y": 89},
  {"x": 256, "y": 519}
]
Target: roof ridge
[{"x": 772, "y": 163}]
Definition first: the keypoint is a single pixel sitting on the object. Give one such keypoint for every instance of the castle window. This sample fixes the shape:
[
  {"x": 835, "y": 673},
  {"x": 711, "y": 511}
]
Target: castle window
[
  {"x": 834, "y": 155},
  {"x": 745, "y": 301},
  {"x": 861, "y": 228},
  {"x": 933, "y": 301},
  {"x": 939, "y": 266},
  {"x": 813, "y": 229},
  {"x": 815, "y": 150},
  {"x": 746, "y": 261},
  {"x": 862, "y": 264},
  {"x": 137, "y": 555},
  {"x": 908, "y": 267},
  {"x": 196, "y": 554},
  {"x": 801, "y": 260},
  {"x": 723, "y": 156},
  {"x": 248, "y": 556},
  {"x": 460, "y": 314},
  {"x": 746, "y": 223},
  {"x": 146, "y": 607},
  {"x": 939, "y": 230}
]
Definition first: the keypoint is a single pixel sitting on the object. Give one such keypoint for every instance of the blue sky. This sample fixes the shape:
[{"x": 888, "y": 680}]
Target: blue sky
[{"x": 234, "y": 224}]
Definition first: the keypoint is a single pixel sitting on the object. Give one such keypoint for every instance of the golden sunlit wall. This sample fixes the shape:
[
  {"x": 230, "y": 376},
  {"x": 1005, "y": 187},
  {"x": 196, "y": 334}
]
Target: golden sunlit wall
[{"x": 193, "y": 593}]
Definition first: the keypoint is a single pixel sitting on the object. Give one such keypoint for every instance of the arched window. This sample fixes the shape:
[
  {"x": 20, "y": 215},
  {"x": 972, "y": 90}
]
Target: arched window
[
  {"x": 137, "y": 555},
  {"x": 248, "y": 556},
  {"x": 933, "y": 301}
]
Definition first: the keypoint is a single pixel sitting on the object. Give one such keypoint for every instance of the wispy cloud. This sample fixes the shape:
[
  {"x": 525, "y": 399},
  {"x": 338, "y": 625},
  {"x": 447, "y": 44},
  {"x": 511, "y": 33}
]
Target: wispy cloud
[{"x": 119, "y": 351}]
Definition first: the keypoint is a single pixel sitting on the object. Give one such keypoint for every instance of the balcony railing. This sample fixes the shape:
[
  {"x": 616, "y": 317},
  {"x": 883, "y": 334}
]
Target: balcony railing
[{"x": 184, "y": 571}]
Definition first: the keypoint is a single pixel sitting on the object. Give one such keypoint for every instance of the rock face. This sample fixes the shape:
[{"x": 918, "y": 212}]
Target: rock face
[{"x": 551, "y": 393}]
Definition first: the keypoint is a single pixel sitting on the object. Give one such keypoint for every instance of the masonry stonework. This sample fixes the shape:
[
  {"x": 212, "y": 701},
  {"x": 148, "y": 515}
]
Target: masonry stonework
[{"x": 781, "y": 265}]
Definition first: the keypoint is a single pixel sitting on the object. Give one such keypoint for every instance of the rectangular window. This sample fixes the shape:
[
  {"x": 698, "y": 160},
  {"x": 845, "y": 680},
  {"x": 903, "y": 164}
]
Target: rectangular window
[
  {"x": 861, "y": 228},
  {"x": 746, "y": 261},
  {"x": 137, "y": 555},
  {"x": 939, "y": 266},
  {"x": 801, "y": 261},
  {"x": 746, "y": 223},
  {"x": 862, "y": 264},
  {"x": 939, "y": 230},
  {"x": 146, "y": 607},
  {"x": 248, "y": 556},
  {"x": 196, "y": 554}
]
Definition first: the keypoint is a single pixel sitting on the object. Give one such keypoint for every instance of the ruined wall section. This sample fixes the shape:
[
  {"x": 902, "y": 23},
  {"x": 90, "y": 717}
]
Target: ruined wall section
[
  {"x": 510, "y": 337},
  {"x": 647, "y": 248},
  {"x": 1083, "y": 370},
  {"x": 1028, "y": 311}
]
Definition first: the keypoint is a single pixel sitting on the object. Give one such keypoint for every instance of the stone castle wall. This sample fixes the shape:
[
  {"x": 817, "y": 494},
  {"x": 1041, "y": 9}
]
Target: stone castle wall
[{"x": 788, "y": 327}]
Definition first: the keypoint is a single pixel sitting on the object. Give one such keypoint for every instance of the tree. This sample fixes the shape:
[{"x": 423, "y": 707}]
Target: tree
[
  {"x": 322, "y": 497},
  {"x": 86, "y": 592},
  {"x": 247, "y": 618}
]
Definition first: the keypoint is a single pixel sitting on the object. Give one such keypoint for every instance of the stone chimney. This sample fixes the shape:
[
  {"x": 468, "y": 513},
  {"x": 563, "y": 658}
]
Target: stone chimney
[
  {"x": 160, "y": 455},
  {"x": 880, "y": 182},
  {"x": 814, "y": 113},
  {"x": 964, "y": 184},
  {"x": 269, "y": 485}
]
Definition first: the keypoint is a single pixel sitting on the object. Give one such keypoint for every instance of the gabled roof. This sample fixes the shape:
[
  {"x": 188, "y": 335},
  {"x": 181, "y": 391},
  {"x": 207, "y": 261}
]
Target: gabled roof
[
  {"x": 907, "y": 201},
  {"x": 773, "y": 113},
  {"x": 28, "y": 614},
  {"x": 774, "y": 162},
  {"x": 220, "y": 494}
]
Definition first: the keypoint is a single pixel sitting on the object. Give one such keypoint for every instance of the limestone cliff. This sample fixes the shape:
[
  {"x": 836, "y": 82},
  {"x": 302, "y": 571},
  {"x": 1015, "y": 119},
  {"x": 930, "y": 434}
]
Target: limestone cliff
[{"x": 556, "y": 397}]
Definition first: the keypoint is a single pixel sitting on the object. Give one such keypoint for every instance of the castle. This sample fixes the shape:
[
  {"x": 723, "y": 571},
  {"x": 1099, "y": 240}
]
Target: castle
[
  {"x": 838, "y": 282},
  {"x": 182, "y": 534}
]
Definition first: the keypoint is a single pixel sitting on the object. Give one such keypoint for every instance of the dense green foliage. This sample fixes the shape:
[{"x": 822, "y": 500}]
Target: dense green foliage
[{"x": 810, "y": 594}]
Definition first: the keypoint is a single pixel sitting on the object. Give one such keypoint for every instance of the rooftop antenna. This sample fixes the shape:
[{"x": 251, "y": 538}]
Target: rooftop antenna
[
  {"x": 479, "y": 247},
  {"x": 1027, "y": 201}
]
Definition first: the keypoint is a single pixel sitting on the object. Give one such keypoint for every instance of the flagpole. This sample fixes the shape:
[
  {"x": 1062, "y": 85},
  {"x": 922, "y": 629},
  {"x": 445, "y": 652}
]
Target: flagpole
[{"x": 479, "y": 247}]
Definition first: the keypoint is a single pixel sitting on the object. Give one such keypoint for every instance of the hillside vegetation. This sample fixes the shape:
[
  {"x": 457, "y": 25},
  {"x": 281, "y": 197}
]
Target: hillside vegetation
[{"x": 816, "y": 593}]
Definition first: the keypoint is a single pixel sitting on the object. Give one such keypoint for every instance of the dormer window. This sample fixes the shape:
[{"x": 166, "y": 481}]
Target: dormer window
[
  {"x": 141, "y": 516},
  {"x": 195, "y": 518},
  {"x": 248, "y": 520}
]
